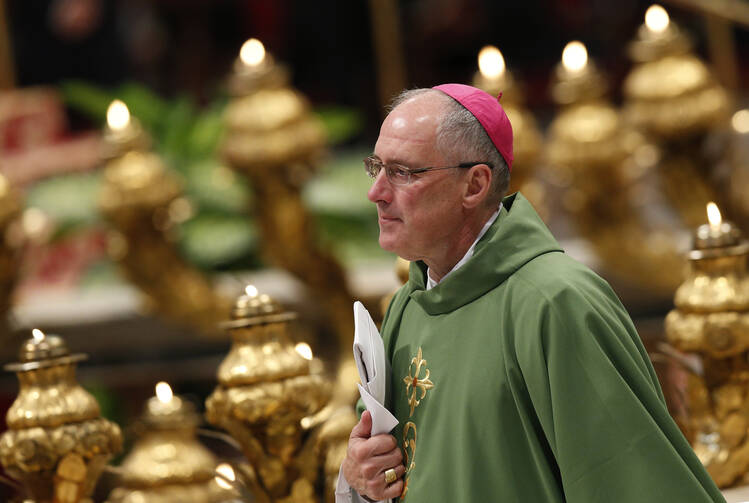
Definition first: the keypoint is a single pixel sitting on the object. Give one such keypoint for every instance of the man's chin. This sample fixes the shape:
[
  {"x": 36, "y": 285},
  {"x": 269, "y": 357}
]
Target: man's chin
[{"x": 388, "y": 243}]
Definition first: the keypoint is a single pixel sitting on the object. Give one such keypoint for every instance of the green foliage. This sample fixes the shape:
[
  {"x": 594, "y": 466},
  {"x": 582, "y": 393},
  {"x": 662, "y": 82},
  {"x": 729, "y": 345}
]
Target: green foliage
[
  {"x": 71, "y": 200},
  {"x": 219, "y": 241},
  {"x": 341, "y": 123}
]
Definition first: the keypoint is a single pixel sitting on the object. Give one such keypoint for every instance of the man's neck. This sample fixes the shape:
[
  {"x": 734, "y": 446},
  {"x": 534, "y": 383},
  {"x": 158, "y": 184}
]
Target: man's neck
[{"x": 456, "y": 249}]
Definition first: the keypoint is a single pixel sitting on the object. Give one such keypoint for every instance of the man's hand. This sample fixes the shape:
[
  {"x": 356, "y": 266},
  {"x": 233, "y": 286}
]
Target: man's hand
[{"x": 368, "y": 458}]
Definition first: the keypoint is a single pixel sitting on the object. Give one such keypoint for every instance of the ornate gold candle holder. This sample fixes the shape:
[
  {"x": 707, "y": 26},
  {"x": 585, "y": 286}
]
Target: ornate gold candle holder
[
  {"x": 12, "y": 238},
  {"x": 739, "y": 182},
  {"x": 168, "y": 464},
  {"x": 604, "y": 168},
  {"x": 57, "y": 443},
  {"x": 269, "y": 399},
  {"x": 273, "y": 139},
  {"x": 673, "y": 96},
  {"x": 494, "y": 78},
  {"x": 141, "y": 198},
  {"x": 711, "y": 321}
]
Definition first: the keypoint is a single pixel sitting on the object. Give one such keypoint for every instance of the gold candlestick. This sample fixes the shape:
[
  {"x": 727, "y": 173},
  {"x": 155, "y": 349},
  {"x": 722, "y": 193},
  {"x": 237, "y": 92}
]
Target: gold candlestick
[
  {"x": 673, "y": 96},
  {"x": 604, "y": 168},
  {"x": 141, "y": 198},
  {"x": 267, "y": 398},
  {"x": 494, "y": 78},
  {"x": 56, "y": 444},
  {"x": 168, "y": 464},
  {"x": 273, "y": 139},
  {"x": 12, "y": 239},
  {"x": 711, "y": 320}
]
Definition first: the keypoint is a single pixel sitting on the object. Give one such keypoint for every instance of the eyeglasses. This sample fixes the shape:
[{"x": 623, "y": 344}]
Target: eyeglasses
[{"x": 401, "y": 175}]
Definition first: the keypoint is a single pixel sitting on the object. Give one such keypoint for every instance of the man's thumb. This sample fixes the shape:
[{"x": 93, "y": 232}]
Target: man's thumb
[{"x": 363, "y": 428}]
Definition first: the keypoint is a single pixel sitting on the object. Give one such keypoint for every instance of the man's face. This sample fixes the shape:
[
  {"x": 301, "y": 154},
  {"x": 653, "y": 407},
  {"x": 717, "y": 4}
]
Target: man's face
[{"x": 417, "y": 220}]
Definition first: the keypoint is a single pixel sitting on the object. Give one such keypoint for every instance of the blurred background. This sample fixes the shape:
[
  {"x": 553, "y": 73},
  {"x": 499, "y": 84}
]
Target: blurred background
[{"x": 135, "y": 260}]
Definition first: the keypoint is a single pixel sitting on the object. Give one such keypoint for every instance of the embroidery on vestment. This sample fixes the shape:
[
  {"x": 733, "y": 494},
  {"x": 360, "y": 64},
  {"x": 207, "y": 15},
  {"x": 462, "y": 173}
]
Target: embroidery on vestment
[{"x": 415, "y": 384}]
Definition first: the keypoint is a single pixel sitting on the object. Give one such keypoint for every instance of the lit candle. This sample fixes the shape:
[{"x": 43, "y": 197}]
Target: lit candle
[
  {"x": 38, "y": 335},
  {"x": 252, "y": 53},
  {"x": 123, "y": 132},
  {"x": 164, "y": 403},
  {"x": 656, "y": 19},
  {"x": 118, "y": 116},
  {"x": 304, "y": 350},
  {"x": 575, "y": 57},
  {"x": 717, "y": 233},
  {"x": 491, "y": 63},
  {"x": 714, "y": 217},
  {"x": 740, "y": 121}
]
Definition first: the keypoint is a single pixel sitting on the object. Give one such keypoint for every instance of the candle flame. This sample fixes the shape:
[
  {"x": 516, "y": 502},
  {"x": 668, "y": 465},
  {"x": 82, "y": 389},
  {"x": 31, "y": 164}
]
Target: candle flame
[
  {"x": 250, "y": 290},
  {"x": 304, "y": 350},
  {"x": 252, "y": 52},
  {"x": 491, "y": 62},
  {"x": 740, "y": 121},
  {"x": 164, "y": 392},
  {"x": 713, "y": 214},
  {"x": 575, "y": 56},
  {"x": 656, "y": 18},
  {"x": 38, "y": 335},
  {"x": 118, "y": 116},
  {"x": 225, "y": 475}
]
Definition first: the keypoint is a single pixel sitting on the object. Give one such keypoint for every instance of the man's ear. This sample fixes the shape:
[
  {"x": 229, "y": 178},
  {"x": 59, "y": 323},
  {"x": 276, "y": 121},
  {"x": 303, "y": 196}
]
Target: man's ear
[{"x": 477, "y": 189}]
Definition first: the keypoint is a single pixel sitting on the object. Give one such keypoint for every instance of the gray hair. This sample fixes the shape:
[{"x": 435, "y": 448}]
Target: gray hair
[{"x": 460, "y": 136}]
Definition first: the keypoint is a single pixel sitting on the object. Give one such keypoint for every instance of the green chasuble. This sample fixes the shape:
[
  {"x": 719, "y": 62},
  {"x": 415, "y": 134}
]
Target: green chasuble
[{"x": 520, "y": 378}]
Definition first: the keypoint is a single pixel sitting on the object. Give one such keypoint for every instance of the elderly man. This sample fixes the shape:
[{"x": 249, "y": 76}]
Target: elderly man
[{"x": 516, "y": 374}]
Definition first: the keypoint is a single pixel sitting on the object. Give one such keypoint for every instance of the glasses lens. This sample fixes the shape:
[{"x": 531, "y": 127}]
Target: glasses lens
[
  {"x": 398, "y": 175},
  {"x": 372, "y": 167}
]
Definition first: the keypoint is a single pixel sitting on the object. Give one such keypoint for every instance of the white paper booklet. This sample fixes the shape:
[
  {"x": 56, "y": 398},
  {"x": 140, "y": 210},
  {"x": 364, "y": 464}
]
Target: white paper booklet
[{"x": 369, "y": 354}]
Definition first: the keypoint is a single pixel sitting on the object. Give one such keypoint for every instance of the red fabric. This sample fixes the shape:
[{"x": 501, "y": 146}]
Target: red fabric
[{"x": 488, "y": 112}]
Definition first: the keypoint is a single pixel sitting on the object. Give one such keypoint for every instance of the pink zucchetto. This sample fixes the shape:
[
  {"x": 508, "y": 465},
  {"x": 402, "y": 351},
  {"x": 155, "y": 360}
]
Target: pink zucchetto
[{"x": 488, "y": 112}]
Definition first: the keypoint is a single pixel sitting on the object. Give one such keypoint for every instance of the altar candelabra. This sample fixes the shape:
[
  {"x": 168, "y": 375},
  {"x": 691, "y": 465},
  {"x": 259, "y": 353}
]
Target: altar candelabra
[
  {"x": 711, "y": 321},
  {"x": 11, "y": 242},
  {"x": 605, "y": 168},
  {"x": 672, "y": 95},
  {"x": 271, "y": 398},
  {"x": 142, "y": 200},
  {"x": 739, "y": 161},
  {"x": 274, "y": 140},
  {"x": 168, "y": 464},
  {"x": 57, "y": 443},
  {"x": 494, "y": 78}
]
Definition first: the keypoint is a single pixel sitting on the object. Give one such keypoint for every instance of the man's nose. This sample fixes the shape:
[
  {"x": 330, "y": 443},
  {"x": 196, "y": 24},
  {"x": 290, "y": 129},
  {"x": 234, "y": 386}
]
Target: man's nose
[{"x": 381, "y": 190}]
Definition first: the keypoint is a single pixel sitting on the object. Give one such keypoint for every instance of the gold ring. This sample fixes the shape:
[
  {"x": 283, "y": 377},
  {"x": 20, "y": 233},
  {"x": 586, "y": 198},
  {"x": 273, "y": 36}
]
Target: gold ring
[{"x": 390, "y": 476}]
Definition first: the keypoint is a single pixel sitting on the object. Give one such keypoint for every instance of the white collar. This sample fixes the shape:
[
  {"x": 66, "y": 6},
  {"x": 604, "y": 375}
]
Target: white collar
[{"x": 432, "y": 283}]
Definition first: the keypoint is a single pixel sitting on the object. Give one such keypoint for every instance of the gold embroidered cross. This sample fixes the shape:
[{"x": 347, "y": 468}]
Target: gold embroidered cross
[{"x": 415, "y": 382}]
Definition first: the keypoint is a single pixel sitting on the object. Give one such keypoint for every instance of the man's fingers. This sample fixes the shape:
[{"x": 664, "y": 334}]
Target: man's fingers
[
  {"x": 373, "y": 447},
  {"x": 393, "y": 490},
  {"x": 379, "y": 490},
  {"x": 363, "y": 428},
  {"x": 396, "y": 488}
]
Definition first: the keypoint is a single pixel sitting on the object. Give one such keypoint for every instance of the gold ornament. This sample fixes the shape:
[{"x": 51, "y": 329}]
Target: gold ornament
[
  {"x": 711, "y": 321},
  {"x": 270, "y": 398},
  {"x": 605, "y": 171},
  {"x": 142, "y": 200},
  {"x": 672, "y": 95},
  {"x": 57, "y": 443},
  {"x": 167, "y": 464}
]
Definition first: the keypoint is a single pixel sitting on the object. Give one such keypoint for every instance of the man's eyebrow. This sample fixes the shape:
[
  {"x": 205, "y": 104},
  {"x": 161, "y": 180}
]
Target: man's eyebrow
[{"x": 392, "y": 161}]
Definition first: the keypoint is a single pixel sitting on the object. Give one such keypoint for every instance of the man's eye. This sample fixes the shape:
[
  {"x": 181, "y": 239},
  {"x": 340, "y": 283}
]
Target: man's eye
[{"x": 399, "y": 173}]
